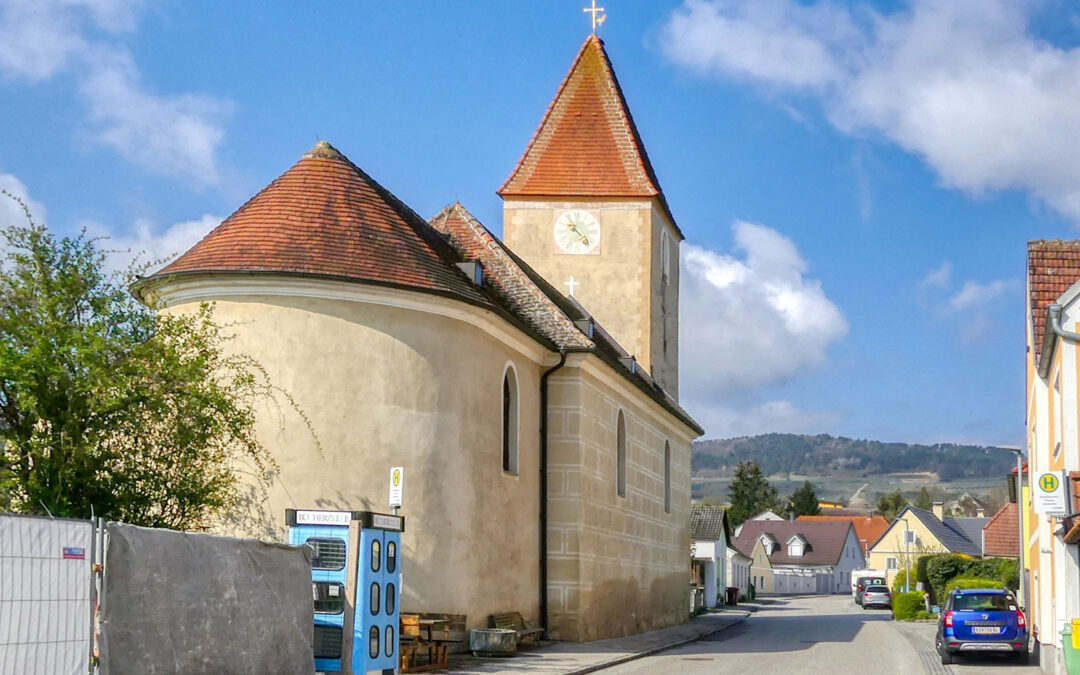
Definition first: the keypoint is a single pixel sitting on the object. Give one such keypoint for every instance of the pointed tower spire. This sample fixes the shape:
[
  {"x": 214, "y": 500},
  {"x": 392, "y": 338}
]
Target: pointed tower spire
[{"x": 587, "y": 144}]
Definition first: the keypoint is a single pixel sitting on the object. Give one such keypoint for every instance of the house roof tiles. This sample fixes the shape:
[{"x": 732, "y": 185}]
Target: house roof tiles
[
  {"x": 326, "y": 217},
  {"x": 1000, "y": 536},
  {"x": 826, "y": 540},
  {"x": 707, "y": 522},
  {"x": 1053, "y": 266},
  {"x": 868, "y": 529},
  {"x": 587, "y": 144},
  {"x": 958, "y": 535}
]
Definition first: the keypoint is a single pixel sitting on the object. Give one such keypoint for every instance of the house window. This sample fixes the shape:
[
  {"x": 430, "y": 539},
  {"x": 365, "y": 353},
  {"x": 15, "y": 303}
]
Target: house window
[
  {"x": 891, "y": 563},
  {"x": 510, "y": 422},
  {"x": 620, "y": 455},
  {"x": 667, "y": 477}
]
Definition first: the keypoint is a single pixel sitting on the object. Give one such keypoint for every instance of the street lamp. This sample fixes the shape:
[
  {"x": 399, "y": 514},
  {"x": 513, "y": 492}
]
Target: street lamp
[
  {"x": 907, "y": 557},
  {"x": 1019, "y": 517}
]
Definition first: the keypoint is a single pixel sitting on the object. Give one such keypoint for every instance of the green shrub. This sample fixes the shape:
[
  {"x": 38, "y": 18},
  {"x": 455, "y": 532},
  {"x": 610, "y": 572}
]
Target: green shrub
[
  {"x": 922, "y": 615},
  {"x": 941, "y": 569},
  {"x": 898, "y": 582},
  {"x": 972, "y": 582},
  {"x": 920, "y": 568},
  {"x": 906, "y": 605}
]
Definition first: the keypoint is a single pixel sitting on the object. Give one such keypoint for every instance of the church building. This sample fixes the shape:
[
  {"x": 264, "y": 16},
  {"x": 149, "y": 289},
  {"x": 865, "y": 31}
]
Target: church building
[{"x": 528, "y": 386}]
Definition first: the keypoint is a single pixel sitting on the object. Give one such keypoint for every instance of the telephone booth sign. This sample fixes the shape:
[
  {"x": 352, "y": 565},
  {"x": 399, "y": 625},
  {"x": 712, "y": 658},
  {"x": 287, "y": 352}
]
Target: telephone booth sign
[{"x": 355, "y": 586}]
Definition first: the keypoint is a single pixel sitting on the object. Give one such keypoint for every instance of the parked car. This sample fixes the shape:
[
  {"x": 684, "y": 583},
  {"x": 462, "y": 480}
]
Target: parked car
[
  {"x": 863, "y": 583},
  {"x": 877, "y": 596},
  {"x": 979, "y": 620}
]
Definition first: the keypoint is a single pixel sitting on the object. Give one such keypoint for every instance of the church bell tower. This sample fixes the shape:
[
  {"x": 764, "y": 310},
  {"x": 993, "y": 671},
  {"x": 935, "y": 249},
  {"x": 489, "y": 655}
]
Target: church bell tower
[{"x": 583, "y": 207}]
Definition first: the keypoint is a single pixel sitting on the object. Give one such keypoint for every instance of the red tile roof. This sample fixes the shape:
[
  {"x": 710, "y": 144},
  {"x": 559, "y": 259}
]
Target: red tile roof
[
  {"x": 1000, "y": 535},
  {"x": 587, "y": 144},
  {"x": 326, "y": 217},
  {"x": 868, "y": 529},
  {"x": 507, "y": 278},
  {"x": 1053, "y": 266}
]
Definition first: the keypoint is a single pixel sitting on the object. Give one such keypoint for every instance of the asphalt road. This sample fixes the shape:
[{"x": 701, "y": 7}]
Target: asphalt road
[{"x": 817, "y": 634}]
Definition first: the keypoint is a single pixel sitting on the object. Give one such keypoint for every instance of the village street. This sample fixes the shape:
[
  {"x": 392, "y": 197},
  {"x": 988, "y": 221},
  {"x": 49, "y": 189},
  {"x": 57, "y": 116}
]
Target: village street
[{"x": 816, "y": 634}]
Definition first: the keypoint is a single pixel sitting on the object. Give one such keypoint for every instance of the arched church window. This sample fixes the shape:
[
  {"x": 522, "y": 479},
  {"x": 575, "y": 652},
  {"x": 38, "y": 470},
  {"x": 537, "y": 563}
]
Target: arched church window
[
  {"x": 510, "y": 422},
  {"x": 620, "y": 455},
  {"x": 667, "y": 477}
]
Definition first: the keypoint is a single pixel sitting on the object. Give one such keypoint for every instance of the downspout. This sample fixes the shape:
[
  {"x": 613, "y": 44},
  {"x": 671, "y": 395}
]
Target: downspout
[
  {"x": 1053, "y": 323},
  {"x": 544, "y": 488}
]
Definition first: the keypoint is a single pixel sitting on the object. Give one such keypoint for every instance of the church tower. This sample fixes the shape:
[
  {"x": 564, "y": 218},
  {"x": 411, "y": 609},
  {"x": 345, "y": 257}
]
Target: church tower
[{"x": 583, "y": 207}]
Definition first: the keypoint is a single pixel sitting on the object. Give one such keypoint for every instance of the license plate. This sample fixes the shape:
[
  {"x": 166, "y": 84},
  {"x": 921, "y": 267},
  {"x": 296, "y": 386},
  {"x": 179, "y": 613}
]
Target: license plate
[{"x": 985, "y": 630}]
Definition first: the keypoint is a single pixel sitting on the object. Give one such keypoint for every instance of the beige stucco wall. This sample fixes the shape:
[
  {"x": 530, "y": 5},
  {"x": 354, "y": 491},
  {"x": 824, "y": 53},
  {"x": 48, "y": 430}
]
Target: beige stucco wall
[
  {"x": 761, "y": 571},
  {"x": 891, "y": 545},
  {"x": 386, "y": 386},
  {"x": 617, "y": 565},
  {"x": 620, "y": 283}
]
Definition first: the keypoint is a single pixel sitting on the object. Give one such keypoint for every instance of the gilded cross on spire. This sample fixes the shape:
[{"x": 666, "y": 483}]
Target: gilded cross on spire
[{"x": 596, "y": 20}]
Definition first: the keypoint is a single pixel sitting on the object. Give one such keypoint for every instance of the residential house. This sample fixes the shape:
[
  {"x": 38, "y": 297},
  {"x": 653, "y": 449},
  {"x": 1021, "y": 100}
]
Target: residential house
[
  {"x": 764, "y": 515},
  {"x": 1001, "y": 533},
  {"x": 867, "y": 528},
  {"x": 915, "y": 532},
  {"x": 710, "y": 533},
  {"x": 793, "y": 557},
  {"x": 738, "y": 571},
  {"x": 1051, "y": 405}
]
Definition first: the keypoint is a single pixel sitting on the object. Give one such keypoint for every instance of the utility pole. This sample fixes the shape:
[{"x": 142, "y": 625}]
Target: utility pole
[{"x": 1019, "y": 520}]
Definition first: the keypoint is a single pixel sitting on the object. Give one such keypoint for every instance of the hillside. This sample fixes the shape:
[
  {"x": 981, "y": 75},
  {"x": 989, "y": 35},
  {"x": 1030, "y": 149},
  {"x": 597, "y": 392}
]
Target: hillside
[{"x": 823, "y": 455}]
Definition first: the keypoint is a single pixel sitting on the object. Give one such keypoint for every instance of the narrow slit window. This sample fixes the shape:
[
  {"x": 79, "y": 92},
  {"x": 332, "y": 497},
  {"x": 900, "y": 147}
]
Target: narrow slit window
[
  {"x": 620, "y": 455},
  {"x": 510, "y": 422},
  {"x": 667, "y": 477}
]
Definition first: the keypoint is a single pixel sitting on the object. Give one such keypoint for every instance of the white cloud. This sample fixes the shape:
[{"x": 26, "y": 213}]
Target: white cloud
[
  {"x": 937, "y": 278},
  {"x": 964, "y": 85},
  {"x": 145, "y": 243},
  {"x": 727, "y": 421},
  {"x": 10, "y": 211},
  {"x": 750, "y": 322},
  {"x": 172, "y": 135},
  {"x": 974, "y": 295},
  {"x": 176, "y": 135}
]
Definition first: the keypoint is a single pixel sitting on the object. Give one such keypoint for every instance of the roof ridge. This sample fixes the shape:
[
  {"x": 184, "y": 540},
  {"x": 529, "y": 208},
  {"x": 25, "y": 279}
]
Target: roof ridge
[{"x": 639, "y": 179}]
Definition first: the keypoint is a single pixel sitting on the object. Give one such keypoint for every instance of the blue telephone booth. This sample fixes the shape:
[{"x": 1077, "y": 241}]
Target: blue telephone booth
[{"x": 355, "y": 584}]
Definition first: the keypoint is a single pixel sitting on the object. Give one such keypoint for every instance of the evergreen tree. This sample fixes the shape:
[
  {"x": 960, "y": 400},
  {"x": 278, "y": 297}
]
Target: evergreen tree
[
  {"x": 892, "y": 504},
  {"x": 804, "y": 501},
  {"x": 923, "y": 501},
  {"x": 751, "y": 493}
]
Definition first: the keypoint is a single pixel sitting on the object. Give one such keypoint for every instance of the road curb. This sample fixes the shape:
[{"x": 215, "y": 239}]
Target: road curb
[{"x": 656, "y": 650}]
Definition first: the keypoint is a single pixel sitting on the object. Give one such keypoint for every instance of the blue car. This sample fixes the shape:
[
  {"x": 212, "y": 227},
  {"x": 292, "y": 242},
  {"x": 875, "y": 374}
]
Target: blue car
[{"x": 980, "y": 620}]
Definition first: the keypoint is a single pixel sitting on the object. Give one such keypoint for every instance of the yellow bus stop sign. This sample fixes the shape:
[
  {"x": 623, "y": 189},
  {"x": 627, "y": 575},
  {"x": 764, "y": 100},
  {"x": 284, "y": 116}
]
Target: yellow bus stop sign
[{"x": 1048, "y": 482}]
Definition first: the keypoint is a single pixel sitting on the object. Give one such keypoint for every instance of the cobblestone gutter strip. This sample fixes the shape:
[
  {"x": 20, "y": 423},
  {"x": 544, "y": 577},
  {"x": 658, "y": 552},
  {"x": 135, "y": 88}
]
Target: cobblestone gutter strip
[
  {"x": 656, "y": 650},
  {"x": 924, "y": 647}
]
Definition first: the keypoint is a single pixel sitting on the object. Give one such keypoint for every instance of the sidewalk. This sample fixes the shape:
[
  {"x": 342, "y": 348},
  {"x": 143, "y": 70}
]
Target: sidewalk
[{"x": 571, "y": 658}]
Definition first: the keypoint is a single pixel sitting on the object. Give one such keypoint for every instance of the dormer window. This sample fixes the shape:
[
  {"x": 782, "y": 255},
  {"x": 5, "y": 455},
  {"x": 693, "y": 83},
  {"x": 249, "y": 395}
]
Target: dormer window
[{"x": 796, "y": 546}]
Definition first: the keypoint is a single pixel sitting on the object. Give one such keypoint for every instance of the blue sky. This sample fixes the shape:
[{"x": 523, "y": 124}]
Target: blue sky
[{"x": 856, "y": 181}]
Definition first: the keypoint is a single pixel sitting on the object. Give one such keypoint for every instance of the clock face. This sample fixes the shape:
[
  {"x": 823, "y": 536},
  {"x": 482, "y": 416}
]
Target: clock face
[{"x": 577, "y": 232}]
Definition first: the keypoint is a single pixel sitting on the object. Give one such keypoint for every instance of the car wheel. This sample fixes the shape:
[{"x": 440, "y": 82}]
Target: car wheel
[{"x": 946, "y": 657}]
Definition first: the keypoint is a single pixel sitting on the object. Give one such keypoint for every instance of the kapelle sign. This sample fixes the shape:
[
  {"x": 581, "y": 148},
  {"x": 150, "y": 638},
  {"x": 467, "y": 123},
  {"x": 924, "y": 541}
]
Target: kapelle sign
[{"x": 1049, "y": 493}]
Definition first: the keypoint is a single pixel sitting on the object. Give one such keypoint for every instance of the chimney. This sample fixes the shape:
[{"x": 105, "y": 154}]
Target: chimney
[{"x": 939, "y": 510}]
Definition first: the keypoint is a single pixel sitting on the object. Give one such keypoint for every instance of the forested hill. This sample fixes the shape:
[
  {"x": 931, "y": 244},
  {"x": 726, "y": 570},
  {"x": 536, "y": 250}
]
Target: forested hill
[{"x": 825, "y": 455}]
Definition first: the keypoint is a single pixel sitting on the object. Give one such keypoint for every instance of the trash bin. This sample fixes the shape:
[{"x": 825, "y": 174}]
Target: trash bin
[
  {"x": 1070, "y": 637},
  {"x": 732, "y": 595}
]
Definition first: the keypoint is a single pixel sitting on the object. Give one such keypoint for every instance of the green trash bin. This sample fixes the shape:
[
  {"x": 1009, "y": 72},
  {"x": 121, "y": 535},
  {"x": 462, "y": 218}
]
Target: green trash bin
[{"x": 1070, "y": 642}]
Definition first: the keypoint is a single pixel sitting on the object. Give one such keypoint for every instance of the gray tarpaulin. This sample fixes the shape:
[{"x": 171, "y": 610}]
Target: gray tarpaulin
[{"x": 176, "y": 602}]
